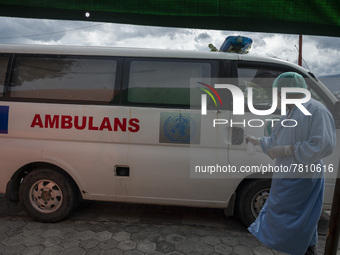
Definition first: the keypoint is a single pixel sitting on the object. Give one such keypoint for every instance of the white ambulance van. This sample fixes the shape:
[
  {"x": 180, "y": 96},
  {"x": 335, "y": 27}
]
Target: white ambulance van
[{"x": 116, "y": 124}]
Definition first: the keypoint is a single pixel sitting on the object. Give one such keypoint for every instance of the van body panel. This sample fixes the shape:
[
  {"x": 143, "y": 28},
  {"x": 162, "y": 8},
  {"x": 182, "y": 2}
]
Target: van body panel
[{"x": 131, "y": 112}]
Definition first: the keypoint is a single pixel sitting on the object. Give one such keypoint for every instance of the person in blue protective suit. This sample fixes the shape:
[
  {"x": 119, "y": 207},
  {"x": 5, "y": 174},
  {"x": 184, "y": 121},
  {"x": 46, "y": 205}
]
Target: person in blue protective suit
[{"x": 288, "y": 220}]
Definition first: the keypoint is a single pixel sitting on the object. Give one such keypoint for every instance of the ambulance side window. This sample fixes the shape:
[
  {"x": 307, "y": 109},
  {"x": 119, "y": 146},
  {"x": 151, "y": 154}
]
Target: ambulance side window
[
  {"x": 333, "y": 85},
  {"x": 3, "y": 71},
  {"x": 260, "y": 79},
  {"x": 164, "y": 82},
  {"x": 313, "y": 93},
  {"x": 64, "y": 78}
]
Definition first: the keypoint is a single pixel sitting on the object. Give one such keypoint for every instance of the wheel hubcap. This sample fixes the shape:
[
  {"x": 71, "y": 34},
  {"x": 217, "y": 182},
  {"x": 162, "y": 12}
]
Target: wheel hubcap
[
  {"x": 258, "y": 201},
  {"x": 46, "y": 196}
]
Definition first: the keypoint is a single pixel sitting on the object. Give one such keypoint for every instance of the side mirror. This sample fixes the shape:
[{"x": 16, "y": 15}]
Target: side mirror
[{"x": 336, "y": 114}]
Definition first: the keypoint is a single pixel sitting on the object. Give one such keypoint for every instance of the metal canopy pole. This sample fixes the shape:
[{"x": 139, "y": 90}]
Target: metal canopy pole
[
  {"x": 334, "y": 222},
  {"x": 300, "y": 51}
]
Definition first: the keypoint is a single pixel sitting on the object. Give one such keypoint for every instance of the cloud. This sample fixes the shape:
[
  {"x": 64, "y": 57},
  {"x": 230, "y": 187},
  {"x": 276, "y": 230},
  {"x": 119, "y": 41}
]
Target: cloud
[
  {"x": 14, "y": 30},
  {"x": 324, "y": 42},
  {"x": 324, "y": 60},
  {"x": 322, "y": 54},
  {"x": 278, "y": 46},
  {"x": 202, "y": 37}
]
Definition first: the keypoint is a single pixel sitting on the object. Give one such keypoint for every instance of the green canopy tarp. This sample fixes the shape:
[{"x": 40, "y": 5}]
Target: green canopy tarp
[{"x": 314, "y": 17}]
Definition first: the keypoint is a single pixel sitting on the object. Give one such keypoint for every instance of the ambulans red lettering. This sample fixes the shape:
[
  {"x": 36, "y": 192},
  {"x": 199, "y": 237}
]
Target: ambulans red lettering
[
  {"x": 91, "y": 126},
  {"x": 66, "y": 122},
  {"x": 117, "y": 123},
  {"x": 37, "y": 121},
  {"x": 52, "y": 122},
  {"x": 106, "y": 124},
  {"x": 85, "y": 122},
  {"x": 80, "y": 126},
  {"x": 134, "y": 126}
]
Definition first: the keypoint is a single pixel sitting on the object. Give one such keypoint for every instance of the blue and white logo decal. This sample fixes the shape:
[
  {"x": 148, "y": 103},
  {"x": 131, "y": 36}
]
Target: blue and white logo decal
[
  {"x": 179, "y": 128},
  {"x": 4, "y": 119}
]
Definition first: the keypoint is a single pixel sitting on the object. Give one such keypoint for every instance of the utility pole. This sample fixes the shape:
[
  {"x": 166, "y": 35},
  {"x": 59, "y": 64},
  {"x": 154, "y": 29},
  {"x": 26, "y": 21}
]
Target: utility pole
[
  {"x": 334, "y": 222},
  {"x": 300, "y": 51}
]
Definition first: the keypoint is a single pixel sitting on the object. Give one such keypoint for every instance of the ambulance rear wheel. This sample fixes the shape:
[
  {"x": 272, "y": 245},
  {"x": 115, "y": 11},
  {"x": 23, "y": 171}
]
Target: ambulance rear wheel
[
  {"x": 47, "y": 195},
  {"x": 250, "y": 198}
]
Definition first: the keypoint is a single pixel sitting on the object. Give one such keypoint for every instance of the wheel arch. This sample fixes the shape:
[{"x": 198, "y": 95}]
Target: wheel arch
[
  {"x": 252, "y": 178},
  {"x": 12, "y": 189},
  {"x": 250, "y": 197},
  {"x": 230, "y": 210}
]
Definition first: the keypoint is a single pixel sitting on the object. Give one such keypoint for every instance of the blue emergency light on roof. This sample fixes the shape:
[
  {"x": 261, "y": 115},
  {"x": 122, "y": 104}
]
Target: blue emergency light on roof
[{"x": 236, "y": 44}]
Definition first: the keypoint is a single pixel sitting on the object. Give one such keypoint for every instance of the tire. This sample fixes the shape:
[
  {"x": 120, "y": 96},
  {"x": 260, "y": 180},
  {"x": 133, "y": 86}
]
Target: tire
[
  {"x": 250, "y": 198},
  {"x": 47, "y": 195}
]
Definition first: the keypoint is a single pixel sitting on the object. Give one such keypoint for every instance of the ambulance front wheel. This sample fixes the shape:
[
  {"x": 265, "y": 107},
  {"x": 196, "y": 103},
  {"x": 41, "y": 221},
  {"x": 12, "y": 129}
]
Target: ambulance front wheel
[
  {"x": 47, "y": 195},
  {"x": 250, "y": 198}
]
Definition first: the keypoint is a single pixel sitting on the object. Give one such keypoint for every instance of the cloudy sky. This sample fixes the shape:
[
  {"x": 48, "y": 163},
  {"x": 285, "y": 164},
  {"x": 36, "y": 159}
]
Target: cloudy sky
[{"x": 322, "y": 54}]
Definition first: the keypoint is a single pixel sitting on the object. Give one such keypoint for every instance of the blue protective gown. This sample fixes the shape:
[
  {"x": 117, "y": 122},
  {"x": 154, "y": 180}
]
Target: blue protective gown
[{"x": 288, "y": 220}]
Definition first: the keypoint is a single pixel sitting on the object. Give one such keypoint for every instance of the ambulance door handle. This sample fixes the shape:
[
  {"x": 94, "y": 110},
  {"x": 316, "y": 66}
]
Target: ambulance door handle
[{"x": 237, "y": 136}]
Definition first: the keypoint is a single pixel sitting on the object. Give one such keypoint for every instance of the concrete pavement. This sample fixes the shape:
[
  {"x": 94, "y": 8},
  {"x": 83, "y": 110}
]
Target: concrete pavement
[{"x": 123, "y": 229}]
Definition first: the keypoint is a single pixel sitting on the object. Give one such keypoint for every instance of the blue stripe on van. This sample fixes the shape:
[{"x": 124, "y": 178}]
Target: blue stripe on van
[{"x": 4, "y": 119}]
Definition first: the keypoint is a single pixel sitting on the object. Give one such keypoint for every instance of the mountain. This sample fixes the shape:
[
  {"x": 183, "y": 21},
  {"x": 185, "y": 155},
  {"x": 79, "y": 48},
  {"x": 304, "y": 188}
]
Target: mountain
[{"x": 331, "y": 81}]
